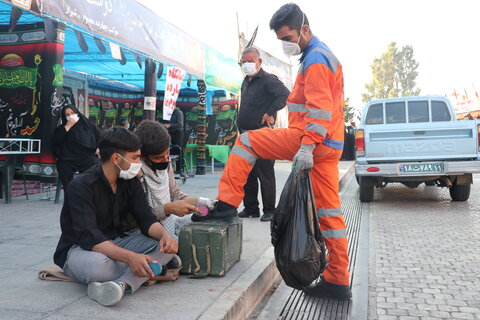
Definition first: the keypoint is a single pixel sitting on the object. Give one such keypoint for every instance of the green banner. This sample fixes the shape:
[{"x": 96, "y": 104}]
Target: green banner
[
  {"x": 222, "y": 72},
  {"x": 18, "y": 77}
]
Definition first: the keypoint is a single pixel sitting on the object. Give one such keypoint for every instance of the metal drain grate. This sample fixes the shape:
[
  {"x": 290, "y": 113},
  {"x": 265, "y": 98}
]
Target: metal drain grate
[{"x": 299, "y": 306}]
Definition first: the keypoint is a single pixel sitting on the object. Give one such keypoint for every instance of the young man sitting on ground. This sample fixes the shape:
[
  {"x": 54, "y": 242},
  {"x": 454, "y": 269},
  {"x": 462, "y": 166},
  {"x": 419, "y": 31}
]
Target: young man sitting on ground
[
  {"x": 170, "y": 205},
  {"x": 92, "y": 248}
]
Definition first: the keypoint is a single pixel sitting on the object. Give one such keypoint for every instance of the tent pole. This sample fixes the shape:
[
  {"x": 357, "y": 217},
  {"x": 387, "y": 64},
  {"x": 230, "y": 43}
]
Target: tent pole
[
  {"x": 201, "y": 127},
  {"x": 149, "y": 105}
]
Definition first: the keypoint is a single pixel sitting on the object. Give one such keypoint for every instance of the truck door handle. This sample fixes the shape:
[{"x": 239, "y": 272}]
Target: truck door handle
[{"x": 419, "y": 133}]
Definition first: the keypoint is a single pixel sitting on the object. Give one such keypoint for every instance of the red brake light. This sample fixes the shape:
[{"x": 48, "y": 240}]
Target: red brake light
[
  {"x": 373, "y": 169},
  {"x": 360, "y": 142},
  {"x": 478, "y": 136}
]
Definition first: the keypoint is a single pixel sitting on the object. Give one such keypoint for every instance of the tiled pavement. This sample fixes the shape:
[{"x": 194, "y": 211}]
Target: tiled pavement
[{"x": 424, "y": 254}]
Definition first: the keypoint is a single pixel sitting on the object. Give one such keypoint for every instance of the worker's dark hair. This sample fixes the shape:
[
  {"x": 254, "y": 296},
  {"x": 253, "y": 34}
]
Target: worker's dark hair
[
  {"x": 117, "y": 140},
  {"x": 154, "y": 137},
  {"x": 122, "y": 121},
  {"x": 289, "y": 15}
]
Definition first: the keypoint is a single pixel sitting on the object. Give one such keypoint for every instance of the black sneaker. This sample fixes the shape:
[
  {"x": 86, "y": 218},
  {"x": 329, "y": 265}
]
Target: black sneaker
[
  {"x": 325, "y": 289},
  {"x": 246, "y": 214},
  {"x": 221, "y": 212},
  {"x": 175, "y": 263},
  {"x": 267, "y": 216}
]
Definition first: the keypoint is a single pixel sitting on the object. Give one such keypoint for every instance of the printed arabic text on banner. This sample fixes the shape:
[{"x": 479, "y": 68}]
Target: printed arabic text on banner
[{"x": 172, "y": 89}]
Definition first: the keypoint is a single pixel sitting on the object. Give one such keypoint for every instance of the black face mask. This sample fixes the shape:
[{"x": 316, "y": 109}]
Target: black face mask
[{"x": 159, "y": 165}]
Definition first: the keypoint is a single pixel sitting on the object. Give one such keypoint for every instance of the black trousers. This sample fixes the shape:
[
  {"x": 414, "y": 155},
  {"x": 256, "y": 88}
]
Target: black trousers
[
  {"x": 177, "y": 139},
  {"x": 66, "y": 168},
  {"x": 264, "y": 171}
]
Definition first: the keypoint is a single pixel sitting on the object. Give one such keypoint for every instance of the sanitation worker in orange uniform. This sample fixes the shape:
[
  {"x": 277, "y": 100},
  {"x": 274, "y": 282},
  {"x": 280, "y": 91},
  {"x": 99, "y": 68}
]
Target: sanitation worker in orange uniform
[{"x": 314, "y": 140}]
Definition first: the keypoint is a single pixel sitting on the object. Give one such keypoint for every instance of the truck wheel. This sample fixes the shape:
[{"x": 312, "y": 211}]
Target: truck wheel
[
  {"x": 460, "y": 192},
  {"x": 366, "y": 190},
  {"x": 358, "y": 179}
]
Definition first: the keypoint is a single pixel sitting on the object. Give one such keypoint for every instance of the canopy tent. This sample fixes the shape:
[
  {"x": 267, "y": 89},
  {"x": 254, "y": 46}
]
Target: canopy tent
[
  {"x": 141, "y": 35},
  {"x": 36, "y": 64}
]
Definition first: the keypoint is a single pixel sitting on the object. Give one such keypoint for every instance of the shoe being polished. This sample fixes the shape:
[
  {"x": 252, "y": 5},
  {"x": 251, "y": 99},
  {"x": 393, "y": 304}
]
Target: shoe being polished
[
  {"x": 106, "y": 293},
  {"x": 267, "y": 216},
  {"x": 245, "y": 214},
  {"x": 324, "y": 289},
  {"x": 221, "y": 212}
]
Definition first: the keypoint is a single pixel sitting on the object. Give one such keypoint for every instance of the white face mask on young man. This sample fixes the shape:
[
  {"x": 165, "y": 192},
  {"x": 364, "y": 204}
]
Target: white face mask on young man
[
  {"x": 290, "y": 48},
  {"x": 249, "y": 68},
  {"x": 131, "y": 172}
]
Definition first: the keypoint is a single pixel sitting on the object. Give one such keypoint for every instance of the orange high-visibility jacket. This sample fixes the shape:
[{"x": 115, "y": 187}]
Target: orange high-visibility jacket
[{"x": 316, "y": 102}]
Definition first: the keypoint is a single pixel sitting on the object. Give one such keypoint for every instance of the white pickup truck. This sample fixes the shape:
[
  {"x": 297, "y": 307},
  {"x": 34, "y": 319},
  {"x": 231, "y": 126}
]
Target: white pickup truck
[{"x": 414, "y": 140}]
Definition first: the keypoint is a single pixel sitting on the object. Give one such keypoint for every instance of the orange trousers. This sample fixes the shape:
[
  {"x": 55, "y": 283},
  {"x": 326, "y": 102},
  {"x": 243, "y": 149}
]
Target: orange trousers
[{"x": 283, "y": 144}]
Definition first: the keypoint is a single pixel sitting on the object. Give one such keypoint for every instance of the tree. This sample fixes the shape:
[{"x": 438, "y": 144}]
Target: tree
[
  {"x": 349, "y": 111},
  {"x": 393, "y": 74}
]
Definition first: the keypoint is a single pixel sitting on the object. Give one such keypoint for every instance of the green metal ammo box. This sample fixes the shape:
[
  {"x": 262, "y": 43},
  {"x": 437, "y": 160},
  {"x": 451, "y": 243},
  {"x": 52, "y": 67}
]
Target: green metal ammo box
[{"x": 210, "y": 249}]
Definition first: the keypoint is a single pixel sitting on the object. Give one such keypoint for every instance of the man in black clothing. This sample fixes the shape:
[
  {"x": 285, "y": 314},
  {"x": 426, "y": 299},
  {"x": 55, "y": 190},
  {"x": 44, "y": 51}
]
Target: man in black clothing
[
  {"x": 175, "y": 129},
  {"x": 262, "y": 96},
  {"x": 92, "y": 248}
]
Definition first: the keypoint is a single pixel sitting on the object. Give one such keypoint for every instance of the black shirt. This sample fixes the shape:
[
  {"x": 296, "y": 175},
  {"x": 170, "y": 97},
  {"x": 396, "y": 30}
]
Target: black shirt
[
  {"x": 92, "y": 213},
  {"x": 264, "y": 93}
]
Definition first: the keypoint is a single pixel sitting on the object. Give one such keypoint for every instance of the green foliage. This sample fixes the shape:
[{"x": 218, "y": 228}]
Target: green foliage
[
  {"x": 393, "y": 74},
  {"x": 348, "y": 111}
]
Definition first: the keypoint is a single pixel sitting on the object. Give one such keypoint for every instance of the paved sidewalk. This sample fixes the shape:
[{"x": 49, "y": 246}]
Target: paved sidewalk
[
  {"x": 425, "y": 255},
  {"x": 29, "y": 231}
]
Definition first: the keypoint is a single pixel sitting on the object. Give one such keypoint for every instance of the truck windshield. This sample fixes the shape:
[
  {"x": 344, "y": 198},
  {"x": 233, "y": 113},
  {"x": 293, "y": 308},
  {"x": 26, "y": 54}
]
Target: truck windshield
[{"x": 375, "y": 114}]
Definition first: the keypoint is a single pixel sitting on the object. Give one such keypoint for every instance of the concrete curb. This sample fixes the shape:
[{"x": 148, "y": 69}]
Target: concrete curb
[
  {"x": 240, "y": 299},
  {"x": 343, "y": 180}
]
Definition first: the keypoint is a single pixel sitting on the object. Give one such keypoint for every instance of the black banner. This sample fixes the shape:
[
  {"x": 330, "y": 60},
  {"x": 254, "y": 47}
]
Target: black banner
[
  {"x": 31, "y": 79},
  {"x": 221, "y": 126},
  {"x": 133, "y": 25}
]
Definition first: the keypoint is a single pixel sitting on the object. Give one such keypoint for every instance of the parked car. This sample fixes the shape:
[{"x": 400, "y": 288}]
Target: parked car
[{"x": 414, "y": 140}]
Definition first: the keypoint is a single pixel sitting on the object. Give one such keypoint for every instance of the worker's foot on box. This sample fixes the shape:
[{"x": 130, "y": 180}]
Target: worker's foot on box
[
  {"x": 246, "y": 214},
  {"x": 106, "y": 293},
  {"x": 221, "y": 212},
  {"x": 267, "y": 216},
  {"x": 324, "y": 289}
]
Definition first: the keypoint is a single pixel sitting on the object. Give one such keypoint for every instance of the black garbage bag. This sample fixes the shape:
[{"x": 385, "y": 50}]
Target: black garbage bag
[{"x": 296, "y": 237}]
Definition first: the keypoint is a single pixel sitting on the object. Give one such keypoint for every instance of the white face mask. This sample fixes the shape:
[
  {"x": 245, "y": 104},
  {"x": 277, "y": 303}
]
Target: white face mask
[
  {"x": 131, "y": 172},
  {"x": 249, "y": 68},
  {"x": 290, "y": 48},
  {"x": 73, "y": 117}
]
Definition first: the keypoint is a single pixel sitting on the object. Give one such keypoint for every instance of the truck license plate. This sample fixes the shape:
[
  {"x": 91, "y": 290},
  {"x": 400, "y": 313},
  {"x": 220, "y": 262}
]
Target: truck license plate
[{"x": 421, "y": 167}]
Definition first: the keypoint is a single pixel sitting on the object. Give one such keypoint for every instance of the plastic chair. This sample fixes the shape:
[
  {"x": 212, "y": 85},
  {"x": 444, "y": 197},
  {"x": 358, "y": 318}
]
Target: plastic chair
[
  {"x": 176, "y": 153},
  {"x": 12, "y": 163}
]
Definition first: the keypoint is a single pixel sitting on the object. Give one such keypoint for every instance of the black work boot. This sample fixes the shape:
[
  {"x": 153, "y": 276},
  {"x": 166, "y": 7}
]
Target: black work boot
[
  {"x": 221, "y": 212},
  {"x": 325, "y": 289}
]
